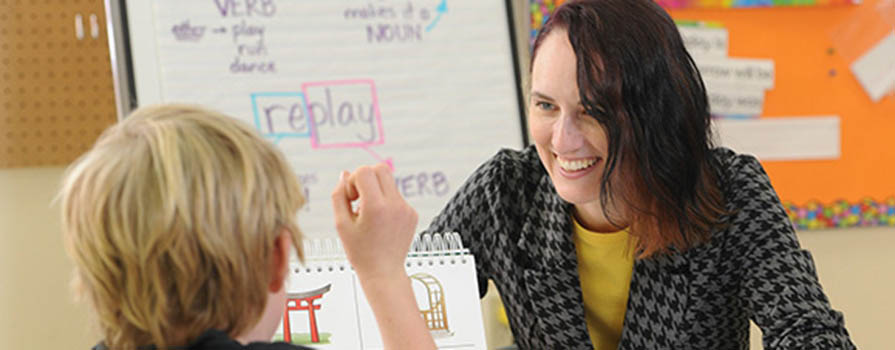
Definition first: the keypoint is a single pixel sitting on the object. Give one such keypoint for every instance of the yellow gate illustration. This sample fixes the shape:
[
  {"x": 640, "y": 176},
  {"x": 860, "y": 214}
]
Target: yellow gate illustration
[{"x": 436, "y": 313}]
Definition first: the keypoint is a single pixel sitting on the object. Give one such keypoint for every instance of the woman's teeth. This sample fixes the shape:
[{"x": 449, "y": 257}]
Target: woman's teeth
[{"x": 575, "y": 165}]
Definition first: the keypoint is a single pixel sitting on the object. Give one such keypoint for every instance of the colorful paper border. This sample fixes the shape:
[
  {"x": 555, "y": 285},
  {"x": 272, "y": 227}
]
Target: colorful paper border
[
  {"x": 842, "y": 214},
  {"x": 541, "y": 9},
  {"x": 680, "y": 4}
]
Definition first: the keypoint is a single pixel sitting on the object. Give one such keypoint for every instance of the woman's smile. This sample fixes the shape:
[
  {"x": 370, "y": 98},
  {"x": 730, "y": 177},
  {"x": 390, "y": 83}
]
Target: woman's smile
[{"x": 573, "y": 168}]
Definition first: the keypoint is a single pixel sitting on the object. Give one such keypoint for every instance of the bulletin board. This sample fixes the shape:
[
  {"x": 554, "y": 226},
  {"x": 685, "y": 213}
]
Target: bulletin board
[{"x": 813, "y": 78}]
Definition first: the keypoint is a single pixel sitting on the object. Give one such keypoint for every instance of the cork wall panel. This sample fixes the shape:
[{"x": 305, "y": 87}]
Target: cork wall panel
[{"x": 56, "y": 90}]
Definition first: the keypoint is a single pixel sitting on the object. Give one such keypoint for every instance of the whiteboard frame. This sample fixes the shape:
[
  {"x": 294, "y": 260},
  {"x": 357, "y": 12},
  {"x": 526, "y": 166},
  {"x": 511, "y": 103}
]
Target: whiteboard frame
[{"x": 134, "y": 53}]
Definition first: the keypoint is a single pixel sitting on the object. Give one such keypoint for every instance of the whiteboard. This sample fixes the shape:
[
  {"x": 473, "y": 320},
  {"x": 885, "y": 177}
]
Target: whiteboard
[{"x": 428, "y": 86}]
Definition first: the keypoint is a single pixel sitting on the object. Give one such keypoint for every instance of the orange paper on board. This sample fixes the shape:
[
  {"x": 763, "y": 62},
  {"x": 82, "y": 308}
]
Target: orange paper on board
[{"x": 813, "y": 78}]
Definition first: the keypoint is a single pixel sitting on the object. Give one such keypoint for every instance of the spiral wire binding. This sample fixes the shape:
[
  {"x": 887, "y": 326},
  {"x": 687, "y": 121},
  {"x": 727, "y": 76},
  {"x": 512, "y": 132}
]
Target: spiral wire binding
[
  {"x": 328, "y": 255},
  {"x": 437, "y": 247}
]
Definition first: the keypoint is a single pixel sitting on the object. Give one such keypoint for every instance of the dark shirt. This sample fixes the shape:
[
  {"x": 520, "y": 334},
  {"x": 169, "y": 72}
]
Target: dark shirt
[{"x": 218, "y": 340}]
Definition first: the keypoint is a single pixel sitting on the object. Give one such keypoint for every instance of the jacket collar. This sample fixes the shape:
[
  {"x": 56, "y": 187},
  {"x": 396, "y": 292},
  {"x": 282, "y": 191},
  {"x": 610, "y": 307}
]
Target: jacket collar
[{"x": 551, "y": 270}]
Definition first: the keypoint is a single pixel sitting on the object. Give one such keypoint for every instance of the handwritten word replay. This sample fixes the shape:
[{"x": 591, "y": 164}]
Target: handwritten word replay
[
  {"x": 342, "y": 114},
  {"x": 332, "y": 114}
]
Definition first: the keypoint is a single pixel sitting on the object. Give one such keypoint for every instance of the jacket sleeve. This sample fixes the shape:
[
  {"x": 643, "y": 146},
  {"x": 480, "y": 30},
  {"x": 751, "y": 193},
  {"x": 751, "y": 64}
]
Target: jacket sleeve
[
  {"x": 476, "y": 212},
  {"x": 779, "y": 285}
]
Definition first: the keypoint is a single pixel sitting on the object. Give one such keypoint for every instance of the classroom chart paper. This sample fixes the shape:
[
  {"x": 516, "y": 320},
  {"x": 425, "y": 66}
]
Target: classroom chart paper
[{"x": 425, "y": 86}]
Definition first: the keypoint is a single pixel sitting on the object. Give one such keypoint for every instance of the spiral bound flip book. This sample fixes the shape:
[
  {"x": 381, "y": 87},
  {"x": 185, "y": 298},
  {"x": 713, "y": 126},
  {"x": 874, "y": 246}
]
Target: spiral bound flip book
[{"x": 326, "y": 307}]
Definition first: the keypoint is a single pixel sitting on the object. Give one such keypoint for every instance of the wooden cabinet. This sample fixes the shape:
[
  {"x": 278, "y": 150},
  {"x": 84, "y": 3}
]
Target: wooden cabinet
[{"x": 56, "y": 90}]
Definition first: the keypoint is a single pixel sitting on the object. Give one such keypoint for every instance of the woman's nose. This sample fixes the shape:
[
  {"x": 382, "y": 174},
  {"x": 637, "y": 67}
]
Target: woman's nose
[{"x": 567, "y": 135}]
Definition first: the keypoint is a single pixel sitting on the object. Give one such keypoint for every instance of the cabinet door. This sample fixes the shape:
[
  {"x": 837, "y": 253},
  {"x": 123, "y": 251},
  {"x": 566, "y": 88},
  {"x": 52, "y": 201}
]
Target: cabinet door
[{"x": 56, "y": 92}]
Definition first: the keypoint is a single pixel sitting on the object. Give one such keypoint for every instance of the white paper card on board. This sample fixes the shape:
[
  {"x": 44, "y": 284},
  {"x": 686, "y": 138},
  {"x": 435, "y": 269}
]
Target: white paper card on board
[
  {"x": 704, "y": 41},
  {"x": 729, "y": 100},
  {"x": 875, "y": 70},
  {"x": 739, "y": 72},
  {"x": 786, "y": 138}
]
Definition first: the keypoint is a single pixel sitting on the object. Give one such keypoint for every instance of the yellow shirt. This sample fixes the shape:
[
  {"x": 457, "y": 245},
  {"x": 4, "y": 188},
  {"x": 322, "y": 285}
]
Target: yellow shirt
[{"x": 604, "y": 267}]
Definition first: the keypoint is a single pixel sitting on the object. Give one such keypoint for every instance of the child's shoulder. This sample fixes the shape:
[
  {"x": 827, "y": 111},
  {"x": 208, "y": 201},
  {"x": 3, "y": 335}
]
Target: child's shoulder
[
  {"x": 275, "y": 346},
  {"x": 218, "y": 340}
]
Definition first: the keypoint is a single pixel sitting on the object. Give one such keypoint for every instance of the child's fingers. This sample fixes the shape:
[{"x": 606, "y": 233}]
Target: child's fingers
[
  {"x": 386, "y": 181},
  {"x": 342, "y": 201},
  {"x": 368, "y": 189},
  {"x": 350, "y": 189}
]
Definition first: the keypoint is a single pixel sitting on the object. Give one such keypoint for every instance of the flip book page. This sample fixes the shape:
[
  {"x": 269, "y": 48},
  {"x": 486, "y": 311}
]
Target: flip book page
[{"x": 327, "y": 309}]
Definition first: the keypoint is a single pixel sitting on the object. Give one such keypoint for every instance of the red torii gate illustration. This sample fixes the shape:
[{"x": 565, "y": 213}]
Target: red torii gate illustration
[{"x": 300, "y": 302}]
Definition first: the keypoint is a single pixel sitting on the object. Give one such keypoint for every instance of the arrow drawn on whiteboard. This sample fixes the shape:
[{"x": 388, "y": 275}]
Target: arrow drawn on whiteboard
[
  {"x": 441, "y": 9},
  {"x": 391, "y": 164},
  {"x": 220, "y": 30}
]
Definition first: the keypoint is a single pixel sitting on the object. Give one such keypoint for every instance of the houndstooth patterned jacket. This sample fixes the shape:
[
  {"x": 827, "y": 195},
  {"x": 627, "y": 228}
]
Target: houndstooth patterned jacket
[{"x": 511, "y": 218}]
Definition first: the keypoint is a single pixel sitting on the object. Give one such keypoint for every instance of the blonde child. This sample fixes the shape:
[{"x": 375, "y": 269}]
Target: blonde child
[{"x": 181, "y": 220}]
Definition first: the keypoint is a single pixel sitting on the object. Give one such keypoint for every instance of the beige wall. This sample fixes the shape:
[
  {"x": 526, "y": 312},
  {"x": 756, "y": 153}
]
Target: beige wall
[
  {"x": 36, "y": 307},
  {"x": 855, "y": 267}
]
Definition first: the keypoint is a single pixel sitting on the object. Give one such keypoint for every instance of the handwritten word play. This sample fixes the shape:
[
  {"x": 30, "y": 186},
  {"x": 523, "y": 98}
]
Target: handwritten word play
[{"x": 247, "y": 31}]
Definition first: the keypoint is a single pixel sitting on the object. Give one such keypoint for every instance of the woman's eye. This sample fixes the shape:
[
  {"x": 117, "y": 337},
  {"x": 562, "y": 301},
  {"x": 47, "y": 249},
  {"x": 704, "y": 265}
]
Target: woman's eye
[{"x": 547, "y": 106}]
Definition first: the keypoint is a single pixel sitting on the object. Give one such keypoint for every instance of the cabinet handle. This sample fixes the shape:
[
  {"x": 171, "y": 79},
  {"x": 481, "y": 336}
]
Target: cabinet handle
[
  {"x": 79, "y": 26},
  {"x": 94, "y": 26}
]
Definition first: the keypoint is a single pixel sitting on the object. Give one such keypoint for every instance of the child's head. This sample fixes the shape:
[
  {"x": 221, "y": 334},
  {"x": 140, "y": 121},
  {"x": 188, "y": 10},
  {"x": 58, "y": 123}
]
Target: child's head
[{"x": 175, "y": 219}]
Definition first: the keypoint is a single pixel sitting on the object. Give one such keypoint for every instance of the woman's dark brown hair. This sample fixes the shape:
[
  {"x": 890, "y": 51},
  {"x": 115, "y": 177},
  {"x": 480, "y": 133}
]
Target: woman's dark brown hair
[{"x": 637, "y": 80}]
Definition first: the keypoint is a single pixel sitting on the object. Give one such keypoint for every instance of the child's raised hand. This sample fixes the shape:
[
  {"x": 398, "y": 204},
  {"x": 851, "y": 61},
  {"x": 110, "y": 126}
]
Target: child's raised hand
[{"x": 376, "y": 236}]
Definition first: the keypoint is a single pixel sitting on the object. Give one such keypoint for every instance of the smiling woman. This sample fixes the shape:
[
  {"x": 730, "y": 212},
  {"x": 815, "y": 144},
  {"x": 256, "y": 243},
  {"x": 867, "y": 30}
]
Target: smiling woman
[
  {"x": 623, "y": 195},
  {"x": 571, "y": 143},
  {"x": 619, "y": 123}
]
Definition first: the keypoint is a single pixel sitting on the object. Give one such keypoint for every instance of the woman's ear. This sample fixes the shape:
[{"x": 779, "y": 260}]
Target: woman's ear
[{"x": 280, "y": 261}]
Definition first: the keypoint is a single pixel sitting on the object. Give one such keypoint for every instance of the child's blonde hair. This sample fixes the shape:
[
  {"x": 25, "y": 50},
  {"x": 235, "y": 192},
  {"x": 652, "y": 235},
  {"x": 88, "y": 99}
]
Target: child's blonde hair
[{"x": 171, "y": 219}]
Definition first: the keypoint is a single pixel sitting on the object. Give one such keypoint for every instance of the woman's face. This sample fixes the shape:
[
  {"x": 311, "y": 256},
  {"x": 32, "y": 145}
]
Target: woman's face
[{"x": 571, "y": 144}]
